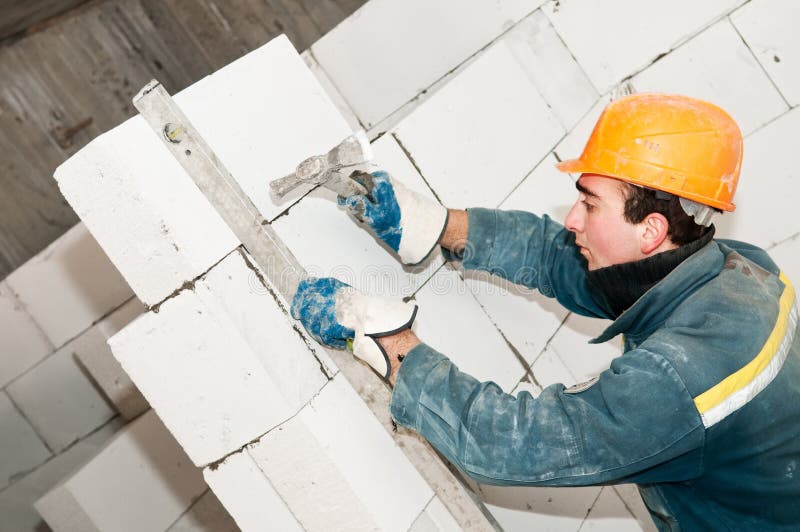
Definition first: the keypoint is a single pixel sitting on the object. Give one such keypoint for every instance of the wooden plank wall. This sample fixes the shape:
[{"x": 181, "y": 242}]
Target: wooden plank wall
[
  {"x": 65, "y": 84},
  {"x": 18, "y": 16}
]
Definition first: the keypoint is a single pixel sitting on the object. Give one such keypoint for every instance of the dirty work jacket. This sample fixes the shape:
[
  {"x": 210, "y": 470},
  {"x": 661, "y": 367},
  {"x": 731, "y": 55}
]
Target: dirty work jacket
[{"x": 702, "y": 409}]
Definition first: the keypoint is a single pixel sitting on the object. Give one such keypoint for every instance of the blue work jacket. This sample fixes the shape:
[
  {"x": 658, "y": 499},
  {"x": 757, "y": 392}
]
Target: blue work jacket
[{"x": 701, "y": 410}]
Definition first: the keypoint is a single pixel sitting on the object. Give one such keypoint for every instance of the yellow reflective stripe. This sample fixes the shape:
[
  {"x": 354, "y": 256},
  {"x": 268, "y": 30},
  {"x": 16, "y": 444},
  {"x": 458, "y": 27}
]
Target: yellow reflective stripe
[{"x": 743, "y": 377}]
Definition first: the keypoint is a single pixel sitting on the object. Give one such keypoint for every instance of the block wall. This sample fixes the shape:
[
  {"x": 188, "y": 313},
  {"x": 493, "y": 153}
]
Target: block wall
[
  {"x": 253, "y": 401},
  {"x": 471, "y": 105},
  {"x": 483, "y": 120},
  {"x": 56, "y": 313}
]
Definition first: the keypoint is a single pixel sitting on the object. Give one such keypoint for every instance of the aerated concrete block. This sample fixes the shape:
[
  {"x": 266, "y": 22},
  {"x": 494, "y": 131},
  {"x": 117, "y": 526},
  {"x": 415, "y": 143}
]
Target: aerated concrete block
[
  {"x": 474, "y": 154},
  {"x": 220, "y": 362},
  {"x": 549, "y": 369},
  {"x": 141, "y": 481},
  {"x": 770, "y": 31},
  {"x": 571, "y": 146},
  {"x": 20, "y": 446},
  {"x": 354, "y": 477},
  {"x": 535, "y": 508},
  {"x": 207, "y": 515},
  {"x": 551, "y": 68},
  {"x": 144, "y": 210},
  {"x": 717, "y": 66},
  {"x": 16, "y": 501},
  {"x": 60, "y": 400},
  {"x": 22, "y": 342},
  {"x": 787, "y": 256},
  {"x": 388, "y": 52},
  {"x": 435, "y": 518},
  {"x": 527, "y": 318},
  {"x": 764, "y": 198},
  {"x": 584, "y": 360},
  {"x": 69, "y": 285},
  {"x": 249, "y": 495},
  {"x": 269, "y": 113},
  {"x": 629, "y": 494},
  {"x": 613, "y": 39},
  {"x": 609, "y": 514},
  {"x": 331, "y": 90},
  {"x": 451, "y": 321},
  {"x": 92, "y": 351}
]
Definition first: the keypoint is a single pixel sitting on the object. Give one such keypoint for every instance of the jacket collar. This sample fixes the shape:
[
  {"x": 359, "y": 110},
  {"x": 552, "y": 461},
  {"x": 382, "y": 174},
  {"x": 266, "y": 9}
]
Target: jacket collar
[{"x": 651, "y": 310}]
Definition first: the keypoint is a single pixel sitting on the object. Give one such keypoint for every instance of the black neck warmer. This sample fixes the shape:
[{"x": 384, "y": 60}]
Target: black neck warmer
[{"x": 620, "y": 285}]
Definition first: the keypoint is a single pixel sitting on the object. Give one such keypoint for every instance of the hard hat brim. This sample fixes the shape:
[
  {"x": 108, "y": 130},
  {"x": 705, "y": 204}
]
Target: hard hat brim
[
  {"x": 579, "y": 166},
  {"x": 573, "y": 166}
]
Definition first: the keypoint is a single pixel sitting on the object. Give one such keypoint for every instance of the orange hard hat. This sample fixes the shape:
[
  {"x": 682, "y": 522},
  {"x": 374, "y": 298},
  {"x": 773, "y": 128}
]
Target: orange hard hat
[{"x": 687, "y": 147}]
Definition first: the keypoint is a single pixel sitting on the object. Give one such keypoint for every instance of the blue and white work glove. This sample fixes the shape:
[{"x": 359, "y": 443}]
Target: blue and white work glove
[
  {"x": 407, "y": 221},
  {"x": 338, "y": 315}
]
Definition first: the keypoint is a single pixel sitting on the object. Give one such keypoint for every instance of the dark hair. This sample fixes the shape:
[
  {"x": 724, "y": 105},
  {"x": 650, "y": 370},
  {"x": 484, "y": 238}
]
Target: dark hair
[{"x": 641, "y": 201}]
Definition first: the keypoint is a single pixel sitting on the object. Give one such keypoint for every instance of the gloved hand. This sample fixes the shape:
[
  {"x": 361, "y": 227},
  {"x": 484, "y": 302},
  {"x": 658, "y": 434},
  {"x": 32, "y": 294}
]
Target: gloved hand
[
  {"x": 334, "y": 312},
  {"x": 408, "y": 222}
]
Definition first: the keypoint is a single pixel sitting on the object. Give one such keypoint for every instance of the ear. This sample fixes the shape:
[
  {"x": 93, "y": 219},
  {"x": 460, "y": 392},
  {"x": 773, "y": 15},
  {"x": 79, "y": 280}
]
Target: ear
[{"x": 654, "y": 229}]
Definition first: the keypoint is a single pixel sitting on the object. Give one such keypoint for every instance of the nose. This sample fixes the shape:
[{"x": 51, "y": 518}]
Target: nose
[{"x": 574, "y": 220}]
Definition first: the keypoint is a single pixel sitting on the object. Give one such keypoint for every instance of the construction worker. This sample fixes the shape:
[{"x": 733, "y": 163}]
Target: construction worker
[{"x": 702, "y": 409}]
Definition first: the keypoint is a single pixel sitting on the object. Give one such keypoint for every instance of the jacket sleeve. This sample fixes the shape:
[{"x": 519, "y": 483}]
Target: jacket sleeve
[
  {"x": 532, "y": 251},
  {"x": 623, "y": 428}
]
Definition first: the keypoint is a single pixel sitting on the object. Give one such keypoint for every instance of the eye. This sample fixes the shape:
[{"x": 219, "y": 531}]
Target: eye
[{"x": 589, "y": 207}]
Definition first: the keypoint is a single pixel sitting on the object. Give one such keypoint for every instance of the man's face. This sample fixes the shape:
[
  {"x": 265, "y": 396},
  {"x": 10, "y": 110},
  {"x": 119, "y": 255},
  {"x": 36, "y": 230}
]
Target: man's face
[{"x": 604, "y": 236}]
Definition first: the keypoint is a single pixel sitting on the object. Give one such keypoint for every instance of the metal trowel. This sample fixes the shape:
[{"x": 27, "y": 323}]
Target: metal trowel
[{"x": 331, "y": 170}]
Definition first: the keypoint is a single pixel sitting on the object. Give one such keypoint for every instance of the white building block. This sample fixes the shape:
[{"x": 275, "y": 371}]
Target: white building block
[
  {"x": 769, "y": 28},
  {"x": 141, "y": 481},
  {"x": 388, "y": 52},
  {"x": 328, "y": 242},
  {"x": 60, "y": 401},
  {"x": 16, "y": 501},
  {"x": 69, "y": 285},
  {"x": 717, "y": 66},
  {"x": 330, "y": 89},
  {"x": 571, "y": 146},
  {"x": 609, "y": 514},
  {"x": 544, "y": 191},
  {"x": 551, "y": 68},
  {"x": 206, "y": 515},
  {"x": 612, "y": 39},
  {"x": 451, "y": 321},
  {"x": 549, "y": 369},
  {"x": 584, "y": 360},
  {"x": 765, "y": 197},
  {"x": 629, "y": 494},
  {"x": 525, "y": 508},
  {"x": 142, "y": 207},
  {"x": 527, "y": 318},
  {"x": 249, "y": 496},
  {"x": 435, "y": 518},
  {"x": 92, "y": 351},
  {"x": 22, "y": 342},
  {"x": 220, "y": 363},
  {"x": 482, "y": 133},
  {"x": 787, "y": 256},
  {"x": 20, "y": 446},
  {"x": 355, "y": 477},
  {"x": 144, "y": 210},
  {"x": 269, "y": 114}
]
